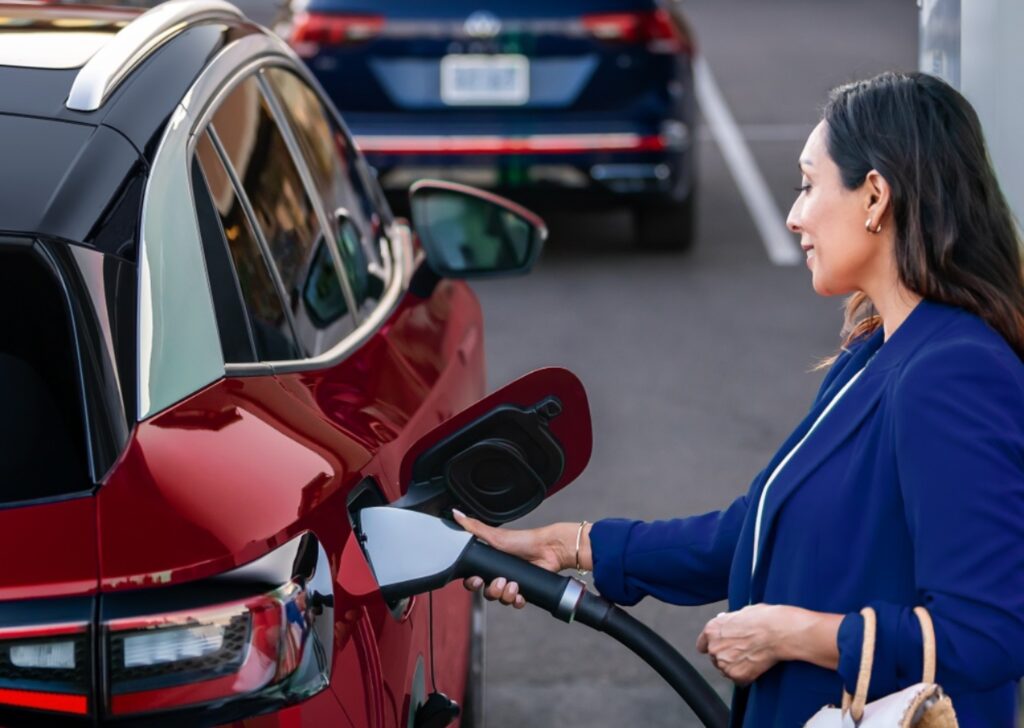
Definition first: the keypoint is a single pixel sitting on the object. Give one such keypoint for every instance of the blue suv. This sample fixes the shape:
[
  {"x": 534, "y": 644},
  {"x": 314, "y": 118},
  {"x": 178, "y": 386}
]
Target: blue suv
[{"x": 586, "y": 100}]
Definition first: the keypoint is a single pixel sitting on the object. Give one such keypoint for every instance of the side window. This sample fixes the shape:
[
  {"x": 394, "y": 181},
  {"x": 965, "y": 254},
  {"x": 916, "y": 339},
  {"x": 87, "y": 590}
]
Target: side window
[
  {"x": 232, "y": 317},
  {"x": 271, "y": 332},
  {"x": 335, "y": 168},
  {"x": 285, "y": 217}
]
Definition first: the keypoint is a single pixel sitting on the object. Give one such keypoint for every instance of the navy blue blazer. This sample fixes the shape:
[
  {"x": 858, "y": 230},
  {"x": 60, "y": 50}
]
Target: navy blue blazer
[{"x": 909, "y": 492}]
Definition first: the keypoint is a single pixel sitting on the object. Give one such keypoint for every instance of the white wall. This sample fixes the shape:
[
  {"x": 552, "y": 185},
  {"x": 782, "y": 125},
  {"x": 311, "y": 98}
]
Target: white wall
[
  {"x": 988, "y": 68},
  {"x": 993, "y": 80}
]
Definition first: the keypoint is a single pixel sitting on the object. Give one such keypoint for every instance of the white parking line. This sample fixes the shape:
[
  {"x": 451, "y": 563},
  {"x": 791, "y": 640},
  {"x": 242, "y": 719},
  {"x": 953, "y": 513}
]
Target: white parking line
[{"x": 778, "y": 241}]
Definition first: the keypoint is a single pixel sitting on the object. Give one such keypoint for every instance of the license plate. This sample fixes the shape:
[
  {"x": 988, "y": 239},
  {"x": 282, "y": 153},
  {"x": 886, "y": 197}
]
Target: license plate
[{"x": 485, "y": 79}]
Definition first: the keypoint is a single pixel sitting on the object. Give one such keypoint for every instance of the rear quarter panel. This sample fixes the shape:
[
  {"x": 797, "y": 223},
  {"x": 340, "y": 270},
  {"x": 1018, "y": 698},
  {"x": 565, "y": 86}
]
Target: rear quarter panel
[{"x": 247, "y": 463}]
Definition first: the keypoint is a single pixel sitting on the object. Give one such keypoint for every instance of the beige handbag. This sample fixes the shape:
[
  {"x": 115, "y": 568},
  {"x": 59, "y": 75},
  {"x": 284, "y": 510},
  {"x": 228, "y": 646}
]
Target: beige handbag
[{"x": 920, "y": 706}]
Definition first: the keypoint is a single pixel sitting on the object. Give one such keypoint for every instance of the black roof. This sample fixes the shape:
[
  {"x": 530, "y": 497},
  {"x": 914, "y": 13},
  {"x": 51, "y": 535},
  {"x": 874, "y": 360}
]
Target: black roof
[{"x": 71, "y": 175}]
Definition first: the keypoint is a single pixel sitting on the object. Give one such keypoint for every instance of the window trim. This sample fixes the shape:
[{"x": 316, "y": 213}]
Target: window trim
[
  {"x": 397, "y": 255},
  {"x": 163, "y": 377}
]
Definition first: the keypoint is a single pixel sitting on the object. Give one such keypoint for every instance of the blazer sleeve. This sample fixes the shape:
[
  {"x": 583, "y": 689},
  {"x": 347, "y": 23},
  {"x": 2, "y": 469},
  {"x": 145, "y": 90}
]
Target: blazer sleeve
[
  {"x": 959, "y": 437},
  {"x": 680, "y": 561}
]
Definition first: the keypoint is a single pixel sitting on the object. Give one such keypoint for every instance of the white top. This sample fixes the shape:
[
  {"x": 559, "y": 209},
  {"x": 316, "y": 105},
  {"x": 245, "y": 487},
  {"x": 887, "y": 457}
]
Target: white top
[{"x": 782, "y": 464}]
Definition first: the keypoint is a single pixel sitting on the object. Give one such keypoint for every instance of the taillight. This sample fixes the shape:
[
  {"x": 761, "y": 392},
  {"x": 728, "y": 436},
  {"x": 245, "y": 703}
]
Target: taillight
[
  {"x": 273, "y": 646},
  {"x": 195, "y": 656},
  {"x": 656, "y": 29},
  {"x": 46, "y": 667},
  {"x": 242, "y": 643},
  {"x": 313, "y": 30}
]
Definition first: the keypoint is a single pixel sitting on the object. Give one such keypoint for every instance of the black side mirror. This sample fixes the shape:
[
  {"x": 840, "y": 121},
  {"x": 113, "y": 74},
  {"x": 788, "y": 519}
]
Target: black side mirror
[{"x": 470, "y": 233}]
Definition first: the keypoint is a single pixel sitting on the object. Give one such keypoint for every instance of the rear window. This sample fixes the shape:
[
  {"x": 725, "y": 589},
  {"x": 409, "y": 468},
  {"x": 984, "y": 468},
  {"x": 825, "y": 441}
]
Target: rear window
[{"x": 42, "y": 432}]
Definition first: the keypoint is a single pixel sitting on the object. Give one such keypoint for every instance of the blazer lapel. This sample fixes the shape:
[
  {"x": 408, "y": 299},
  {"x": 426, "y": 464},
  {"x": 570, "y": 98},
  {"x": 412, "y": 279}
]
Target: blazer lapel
[
  {"x": 837, "y": 426},
  {"x": 835, "y": 429},
  {"x": 740, "y": 583}
]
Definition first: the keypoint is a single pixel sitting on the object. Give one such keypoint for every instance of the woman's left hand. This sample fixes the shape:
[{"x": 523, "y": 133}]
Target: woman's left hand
[{"x": 744, "y": 645}]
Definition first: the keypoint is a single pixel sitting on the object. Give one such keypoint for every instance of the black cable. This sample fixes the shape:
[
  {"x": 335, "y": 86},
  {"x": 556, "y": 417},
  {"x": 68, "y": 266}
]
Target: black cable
[
  {"x": 602, "y": 615},
  {"x": 430, "y": 611},
  {"x": 546, "y": 590}
]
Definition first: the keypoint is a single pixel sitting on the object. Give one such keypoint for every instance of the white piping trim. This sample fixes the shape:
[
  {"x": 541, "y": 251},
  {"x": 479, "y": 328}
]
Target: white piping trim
[{"x": 780, "y": 466}]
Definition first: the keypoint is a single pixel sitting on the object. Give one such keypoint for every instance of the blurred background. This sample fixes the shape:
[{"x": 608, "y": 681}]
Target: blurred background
[{"x": 660, "y": 140}]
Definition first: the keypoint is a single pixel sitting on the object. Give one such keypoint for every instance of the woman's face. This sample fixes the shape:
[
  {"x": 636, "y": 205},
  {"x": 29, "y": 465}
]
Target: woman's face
[{"x": 830, "y": 219}]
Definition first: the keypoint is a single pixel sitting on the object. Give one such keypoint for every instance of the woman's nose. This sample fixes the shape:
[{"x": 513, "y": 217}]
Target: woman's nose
[{"x": 792, "y": 222}]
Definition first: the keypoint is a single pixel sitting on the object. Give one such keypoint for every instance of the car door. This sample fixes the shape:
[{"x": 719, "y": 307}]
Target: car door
[{"x": 418, "y": 363}]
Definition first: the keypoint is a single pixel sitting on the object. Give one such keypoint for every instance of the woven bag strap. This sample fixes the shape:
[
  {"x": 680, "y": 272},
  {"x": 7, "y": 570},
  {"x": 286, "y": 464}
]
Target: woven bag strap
[
  {"x": 855, "y": 703},
  {"x": 928, "y": 637}
]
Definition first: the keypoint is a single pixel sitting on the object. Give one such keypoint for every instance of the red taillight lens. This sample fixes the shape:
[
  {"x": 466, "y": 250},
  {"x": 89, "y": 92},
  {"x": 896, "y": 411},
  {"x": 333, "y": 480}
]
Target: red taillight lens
[
  {"x": 46, "y": 667},
  {"x": 172, "y": 660},
  {"x": 252, "y": 640},
  {"x": 276, "y": 646},
  {"x": 655, "y": 28},
  {"x": 312, "y": 30}
]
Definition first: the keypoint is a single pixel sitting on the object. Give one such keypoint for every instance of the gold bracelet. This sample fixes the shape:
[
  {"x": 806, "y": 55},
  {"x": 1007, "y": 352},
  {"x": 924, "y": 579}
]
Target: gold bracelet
[{"x": 580, "y": 573}]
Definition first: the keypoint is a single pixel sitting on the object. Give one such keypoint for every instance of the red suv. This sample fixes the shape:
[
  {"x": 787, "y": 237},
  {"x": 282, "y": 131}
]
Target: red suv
[{"x": 218, "y": 346}]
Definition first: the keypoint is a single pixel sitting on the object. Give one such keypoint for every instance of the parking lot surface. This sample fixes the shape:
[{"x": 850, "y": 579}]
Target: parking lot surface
[{"x": 697, "y": 366}]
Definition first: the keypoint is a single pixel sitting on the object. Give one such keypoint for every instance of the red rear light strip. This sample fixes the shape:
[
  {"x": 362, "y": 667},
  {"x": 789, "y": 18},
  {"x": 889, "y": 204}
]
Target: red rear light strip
[
  {"x": 656, "y": 28},
  {"x": 41, "y": 700},
  {"x": 332, "y": 29},
  {"x": 59, "y": 702},
  {"x": 538, "y": 144},
  {"x": 42, "y": 630}
]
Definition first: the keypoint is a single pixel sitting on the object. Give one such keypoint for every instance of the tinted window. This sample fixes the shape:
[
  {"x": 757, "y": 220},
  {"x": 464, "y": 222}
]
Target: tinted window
[
  {"x": 283, "y": 211},
  {"x": 41, "y": 425},
  {"x": 232, "y": 317},
  {"x": 336, "y": 171},
  {"x": 271, "y": 331}
]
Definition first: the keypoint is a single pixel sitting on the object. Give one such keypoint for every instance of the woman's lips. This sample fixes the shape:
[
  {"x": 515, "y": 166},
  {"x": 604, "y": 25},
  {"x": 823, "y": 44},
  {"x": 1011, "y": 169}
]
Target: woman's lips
[{"x": 809, "y": 251}]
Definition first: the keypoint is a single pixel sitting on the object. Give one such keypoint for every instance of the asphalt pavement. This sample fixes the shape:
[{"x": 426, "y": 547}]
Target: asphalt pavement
[{"x": 697, "y": 366}]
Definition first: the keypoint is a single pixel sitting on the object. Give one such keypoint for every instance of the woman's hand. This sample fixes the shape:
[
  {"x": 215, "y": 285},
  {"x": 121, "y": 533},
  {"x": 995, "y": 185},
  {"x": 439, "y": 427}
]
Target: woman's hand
[
  {"x": 545, "y": 547},
  {"x": 744, "y": 645}
]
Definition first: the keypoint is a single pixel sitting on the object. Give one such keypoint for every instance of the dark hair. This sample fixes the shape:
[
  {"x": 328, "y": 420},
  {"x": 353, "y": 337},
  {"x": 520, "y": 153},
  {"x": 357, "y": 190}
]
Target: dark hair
[{"x": 956, "y": 240}]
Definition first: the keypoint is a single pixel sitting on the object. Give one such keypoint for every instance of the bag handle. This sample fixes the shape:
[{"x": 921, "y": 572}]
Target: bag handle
[{"x": 855, "y": 703}]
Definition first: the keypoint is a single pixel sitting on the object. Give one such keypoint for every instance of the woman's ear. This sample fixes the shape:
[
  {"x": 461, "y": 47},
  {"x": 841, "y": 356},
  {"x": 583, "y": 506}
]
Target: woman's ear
[{"x": 877, "y": 196}]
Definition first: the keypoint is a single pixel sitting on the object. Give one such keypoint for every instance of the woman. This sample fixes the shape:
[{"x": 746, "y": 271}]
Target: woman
[{"x": 904, "y": 485}]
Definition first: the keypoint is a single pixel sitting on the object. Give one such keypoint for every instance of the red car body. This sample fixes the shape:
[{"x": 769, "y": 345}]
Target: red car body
[{"x": 226, "y": 475}]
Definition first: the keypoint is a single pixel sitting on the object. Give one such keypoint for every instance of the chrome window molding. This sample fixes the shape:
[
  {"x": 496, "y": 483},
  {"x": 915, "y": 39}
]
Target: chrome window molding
[
  {"x": 401, "y": 266},
  {"x": 112, "y": 63},
  {"x": 179, "y": 349}
]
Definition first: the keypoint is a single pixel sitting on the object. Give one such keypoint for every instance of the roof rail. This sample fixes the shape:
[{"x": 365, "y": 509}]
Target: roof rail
[{"x": 102, "y": 74}]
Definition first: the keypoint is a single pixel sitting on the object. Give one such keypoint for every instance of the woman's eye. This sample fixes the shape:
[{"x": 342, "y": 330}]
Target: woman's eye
[{"x": 802, "y": 188}]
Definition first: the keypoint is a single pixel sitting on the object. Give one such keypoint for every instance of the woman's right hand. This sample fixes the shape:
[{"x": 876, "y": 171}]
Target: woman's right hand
[{"x": 547, "y": 547}]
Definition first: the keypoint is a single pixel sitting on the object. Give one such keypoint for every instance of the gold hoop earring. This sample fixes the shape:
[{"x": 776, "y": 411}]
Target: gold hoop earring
[{"x": 867, "y": 226}]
